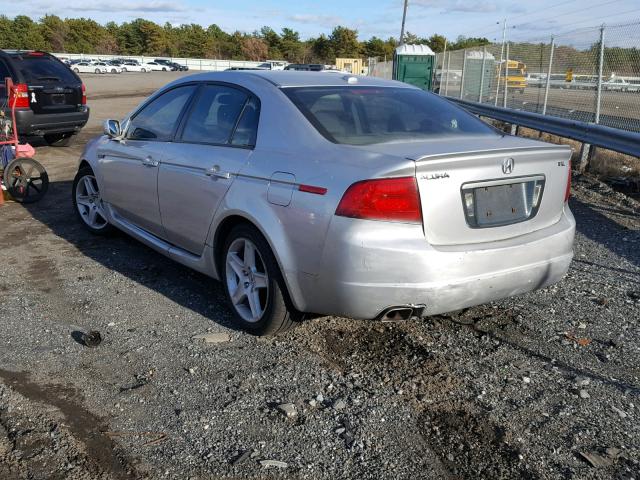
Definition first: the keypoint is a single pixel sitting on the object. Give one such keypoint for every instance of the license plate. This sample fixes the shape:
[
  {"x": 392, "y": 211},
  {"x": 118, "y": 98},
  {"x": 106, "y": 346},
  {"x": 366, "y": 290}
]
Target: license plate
[
  {"x": 58, "y": 98},
  {"x": 492, "y": 205}
]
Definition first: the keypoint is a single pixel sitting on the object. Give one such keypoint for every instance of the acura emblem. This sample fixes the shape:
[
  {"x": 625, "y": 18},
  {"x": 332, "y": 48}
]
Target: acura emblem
[{"x": 507, "y": 165}]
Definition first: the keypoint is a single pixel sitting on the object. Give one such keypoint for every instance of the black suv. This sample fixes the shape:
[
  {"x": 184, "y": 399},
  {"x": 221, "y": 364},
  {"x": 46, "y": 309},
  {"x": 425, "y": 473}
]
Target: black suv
[
  {"x": 51, "y": 100},
  {"x": 171, "y": 65}
]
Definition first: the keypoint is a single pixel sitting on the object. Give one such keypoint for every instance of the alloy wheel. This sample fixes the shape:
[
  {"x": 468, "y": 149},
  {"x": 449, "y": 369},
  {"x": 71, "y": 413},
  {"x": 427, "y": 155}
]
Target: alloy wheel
[
  {"x": 89, "y": 203},
  {"x": 247, "y": 280}
]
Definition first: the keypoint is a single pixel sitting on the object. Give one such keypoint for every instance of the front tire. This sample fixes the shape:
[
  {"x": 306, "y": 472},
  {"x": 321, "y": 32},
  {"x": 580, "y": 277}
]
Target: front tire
[
  {"x": 87, "y": 202},
  {"x": 97, "y": 70},
  {"x": 144, "y": 70},
  {"x": 254, "y": 285},
  {"x": 77, "y": 70}
]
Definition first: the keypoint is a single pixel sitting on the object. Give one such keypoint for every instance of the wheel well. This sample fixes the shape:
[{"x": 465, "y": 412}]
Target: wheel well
[
  {"x": 221, "y": 235},
  {"x": 83, "y": 164}
]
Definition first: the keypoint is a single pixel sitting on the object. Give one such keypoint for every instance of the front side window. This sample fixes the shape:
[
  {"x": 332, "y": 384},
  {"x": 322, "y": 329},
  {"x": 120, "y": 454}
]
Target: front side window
[
  {"x": 368, "y": 115},
  {"x": 214, "y": 115},
  {"x": 158, "y": 119}
]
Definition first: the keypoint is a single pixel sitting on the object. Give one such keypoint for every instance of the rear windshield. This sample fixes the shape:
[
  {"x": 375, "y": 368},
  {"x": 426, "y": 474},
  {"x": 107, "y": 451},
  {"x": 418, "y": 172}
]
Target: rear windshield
[
  {"x": 367, "y": 115},
  {"x": 44, "y": 70}
]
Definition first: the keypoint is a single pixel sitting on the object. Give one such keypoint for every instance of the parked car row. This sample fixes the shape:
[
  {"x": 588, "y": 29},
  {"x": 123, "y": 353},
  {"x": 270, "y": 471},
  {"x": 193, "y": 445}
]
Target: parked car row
[{"x": 122, "y": 65}]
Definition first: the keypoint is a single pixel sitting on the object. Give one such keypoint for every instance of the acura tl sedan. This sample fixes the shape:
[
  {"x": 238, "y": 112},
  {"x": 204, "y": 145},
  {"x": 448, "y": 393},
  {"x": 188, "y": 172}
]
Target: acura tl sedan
[{"x": 306, "y": 193}]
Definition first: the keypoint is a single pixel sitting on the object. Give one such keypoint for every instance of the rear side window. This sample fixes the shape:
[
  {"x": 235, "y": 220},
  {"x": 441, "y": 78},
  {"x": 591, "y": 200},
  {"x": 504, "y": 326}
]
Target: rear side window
[
  {"x": 43, "y": 69},
  {"x": 368, "y": 115},
  {"x": 247, "y": 129},
  {"x": 214, "y": 116},
  {"x": 158, "y": 119}
]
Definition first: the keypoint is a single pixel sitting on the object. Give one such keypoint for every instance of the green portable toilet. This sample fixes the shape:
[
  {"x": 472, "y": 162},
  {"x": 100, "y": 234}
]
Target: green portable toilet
[{"x": 413, "y": 64}]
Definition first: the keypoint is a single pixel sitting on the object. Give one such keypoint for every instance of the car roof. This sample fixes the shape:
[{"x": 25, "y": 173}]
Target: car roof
[{"x": 293, "y": 78}]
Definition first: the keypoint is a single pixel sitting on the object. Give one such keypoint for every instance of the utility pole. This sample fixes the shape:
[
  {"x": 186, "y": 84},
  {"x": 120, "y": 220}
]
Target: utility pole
[
  {"x": 504, "y": 38},
  {"x": 404, "y": 18}
]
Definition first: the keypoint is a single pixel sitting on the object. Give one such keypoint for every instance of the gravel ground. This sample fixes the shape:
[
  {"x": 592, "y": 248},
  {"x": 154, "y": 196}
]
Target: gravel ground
[{"x": 542, "y": 386}]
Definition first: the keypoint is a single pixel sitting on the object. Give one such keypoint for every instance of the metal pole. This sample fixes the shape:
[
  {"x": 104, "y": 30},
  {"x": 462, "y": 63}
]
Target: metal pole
[
  {"x": 446, "y": 80},
  {"x": 484, "y": 58},
  {"x": 464, "y": 64},
  {"x": 548, "y": 82},
  {"x": 504, "y": 37},
  {"x": 587, "y": 151},
  {"x": 444, "y": 55},
  {"x": 404, "y": 18},
  {"x": 600, "y": 65},
  {"x": 506, "y": 69}
]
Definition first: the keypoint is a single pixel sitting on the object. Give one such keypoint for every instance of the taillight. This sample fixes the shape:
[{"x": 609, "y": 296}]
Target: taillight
[
  {"x": 391, "y": 199},
  {"x": 84, "y": 95},
  {"x": 19, "y": 95},
  {"x": 567, "y": 192}
]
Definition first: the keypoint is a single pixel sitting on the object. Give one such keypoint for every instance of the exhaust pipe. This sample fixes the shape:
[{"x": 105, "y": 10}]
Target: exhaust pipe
[{"x": 394, "y": 314}]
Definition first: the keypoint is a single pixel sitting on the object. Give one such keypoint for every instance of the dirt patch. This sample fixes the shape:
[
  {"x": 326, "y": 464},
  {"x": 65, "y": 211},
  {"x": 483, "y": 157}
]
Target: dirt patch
[
  {"x": 31, "y": 445},
  {"x": 471, "y": 446}
]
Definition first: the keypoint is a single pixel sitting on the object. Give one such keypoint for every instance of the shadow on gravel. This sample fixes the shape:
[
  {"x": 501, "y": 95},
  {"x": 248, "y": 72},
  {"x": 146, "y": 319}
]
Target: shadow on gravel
[
  {"x": 142, "y": 265},
  {"x": 597, "y": 227},
  {"x": 496, "y": 327}
]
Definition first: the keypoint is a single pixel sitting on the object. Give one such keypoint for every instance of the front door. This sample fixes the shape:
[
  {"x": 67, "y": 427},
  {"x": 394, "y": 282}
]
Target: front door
[
  {"x": 129, "y": 167},
  {"x": 213, "y": 144}
]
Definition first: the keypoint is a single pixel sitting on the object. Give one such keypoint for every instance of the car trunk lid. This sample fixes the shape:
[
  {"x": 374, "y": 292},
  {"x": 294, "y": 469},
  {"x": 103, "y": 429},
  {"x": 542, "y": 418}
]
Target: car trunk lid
[{"x": 487, "y": 188}]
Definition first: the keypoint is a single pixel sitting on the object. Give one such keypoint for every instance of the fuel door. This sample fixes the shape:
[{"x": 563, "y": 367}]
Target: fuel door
[{"x": 281, "y": 185}]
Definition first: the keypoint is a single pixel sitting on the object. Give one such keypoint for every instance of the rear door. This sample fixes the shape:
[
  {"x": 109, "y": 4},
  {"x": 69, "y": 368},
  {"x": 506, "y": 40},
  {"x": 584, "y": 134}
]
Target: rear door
[
  {"x": 215, "y": 142},
  {"x": 129, "y": 167},
  {"x": 52, "y": 86}
]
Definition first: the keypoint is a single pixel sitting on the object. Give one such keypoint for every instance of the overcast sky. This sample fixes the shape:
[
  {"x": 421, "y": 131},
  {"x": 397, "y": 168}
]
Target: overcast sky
[{"x": 531, "y": 20}]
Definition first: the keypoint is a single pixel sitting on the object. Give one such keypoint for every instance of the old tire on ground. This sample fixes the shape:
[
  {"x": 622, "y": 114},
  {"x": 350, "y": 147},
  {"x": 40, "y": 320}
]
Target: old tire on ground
[
  {"x": 253, "y": 284},
  {"x": 87, "y": 202},
  {"x": 26, "y": 180}
]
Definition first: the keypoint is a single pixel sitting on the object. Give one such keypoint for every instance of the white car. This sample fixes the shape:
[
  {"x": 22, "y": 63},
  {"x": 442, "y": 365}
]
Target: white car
[
  {"x": 88, "y": 67},
  {"x": 620, "y": 85},
  {"x": 155, "y": 67},
  {"x": 135, "y": 67},
  {"x": 110, "y": 68}
]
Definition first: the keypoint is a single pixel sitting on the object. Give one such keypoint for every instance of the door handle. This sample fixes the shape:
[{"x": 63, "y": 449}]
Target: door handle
[
  {"x": 150, "y": 162},
  {"x": 215, "y": 172}
]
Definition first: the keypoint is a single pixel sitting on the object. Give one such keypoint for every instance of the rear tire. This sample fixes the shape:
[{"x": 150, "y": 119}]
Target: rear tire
[
  {"x": 77, "y": 70},
  {"x": 87, "y": 202},
  {"x": 253, "y": 284},
  {"x": 58, "y": 139}
]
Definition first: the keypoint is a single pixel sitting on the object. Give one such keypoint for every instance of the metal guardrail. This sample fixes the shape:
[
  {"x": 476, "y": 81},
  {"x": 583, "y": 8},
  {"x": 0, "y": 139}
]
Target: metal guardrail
[{"x": 614, "y": 139}]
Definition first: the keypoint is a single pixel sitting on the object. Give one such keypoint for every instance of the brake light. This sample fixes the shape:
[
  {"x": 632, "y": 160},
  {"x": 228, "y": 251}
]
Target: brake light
[
  {"x": 567, "y": 192},
  {"x": 36, "y": 54},
  {"x": 84, "y": 95},
  {"x": 391, "y": 199},
  {"x": 19, "y": 95}
]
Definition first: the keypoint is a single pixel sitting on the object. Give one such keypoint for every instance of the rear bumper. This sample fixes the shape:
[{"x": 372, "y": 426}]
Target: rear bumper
[
  {"x": 366, "y": 271},
  {"x": 30, "y": 123}
]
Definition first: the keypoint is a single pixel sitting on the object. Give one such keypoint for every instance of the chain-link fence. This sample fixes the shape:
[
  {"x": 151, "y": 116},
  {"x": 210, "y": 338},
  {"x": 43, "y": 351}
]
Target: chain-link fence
[{"x": 591, "y": 75}]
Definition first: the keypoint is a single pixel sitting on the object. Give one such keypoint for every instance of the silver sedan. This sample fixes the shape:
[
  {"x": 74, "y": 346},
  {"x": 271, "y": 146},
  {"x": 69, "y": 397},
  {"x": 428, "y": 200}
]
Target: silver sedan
[{"x": 330, "y": 194}]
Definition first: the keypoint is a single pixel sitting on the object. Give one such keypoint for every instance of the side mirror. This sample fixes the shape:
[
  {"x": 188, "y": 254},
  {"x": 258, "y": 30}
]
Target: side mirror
[{"x": 112, "y": 128}]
